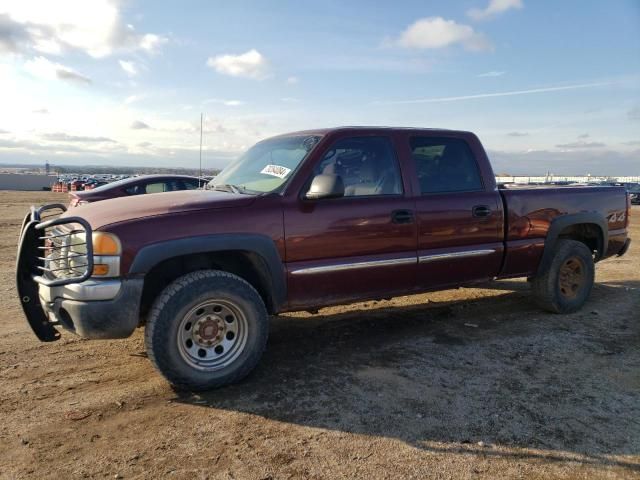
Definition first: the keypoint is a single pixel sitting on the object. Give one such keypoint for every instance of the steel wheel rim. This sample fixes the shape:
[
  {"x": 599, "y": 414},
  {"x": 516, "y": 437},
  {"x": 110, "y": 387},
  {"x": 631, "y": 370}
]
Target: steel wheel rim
[
  {"x": 212, "y": 335},
  {"x": 572, "y": 277}
]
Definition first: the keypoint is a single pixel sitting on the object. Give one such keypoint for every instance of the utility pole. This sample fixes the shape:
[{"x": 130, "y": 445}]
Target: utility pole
[{"x": 200, "y": 174}]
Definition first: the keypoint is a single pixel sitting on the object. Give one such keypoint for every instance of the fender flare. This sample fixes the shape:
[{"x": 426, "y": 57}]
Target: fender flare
[
  {"x": 260, "y": 245},
  {"x": 560, "y": 223}
]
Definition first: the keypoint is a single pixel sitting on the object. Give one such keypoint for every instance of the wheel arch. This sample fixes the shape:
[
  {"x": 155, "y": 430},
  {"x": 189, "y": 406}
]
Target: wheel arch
[
  {"x": 589, "y": 228},
  {"x": 254, "y": 258}
]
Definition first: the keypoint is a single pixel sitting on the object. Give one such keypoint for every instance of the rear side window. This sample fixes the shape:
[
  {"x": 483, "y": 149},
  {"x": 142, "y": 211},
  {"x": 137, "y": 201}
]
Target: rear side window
[
  {"x": 445, "y": 165},
  {"x": 158, "y": 187},
  {"x": 367, "y": 166}
]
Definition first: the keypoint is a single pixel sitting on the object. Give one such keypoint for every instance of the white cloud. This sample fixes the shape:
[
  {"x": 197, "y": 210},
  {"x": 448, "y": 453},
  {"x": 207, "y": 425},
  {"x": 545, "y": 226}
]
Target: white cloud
[
  {"x": 92, "y": 26},
  {"x": 129, "y": 68},
  {"x": 493, "y": 73},
  {"x": 135, "y": 98},
  {"x": 251, "y": 64},
  {"x": 226, "y": 103},
  {"x": 292, "y": 80},
  {"x": 48, "y": 70},
  {"x": 498, "y": 94},
  {"x": 495, "y": 7},
  {"x": 436, "y": 32},
  {"x": 138, "y": 125},
  {"x": 152, "y": 42},
  {"x": 580, "y": 145},
  {"x": 65, "y": 137}
]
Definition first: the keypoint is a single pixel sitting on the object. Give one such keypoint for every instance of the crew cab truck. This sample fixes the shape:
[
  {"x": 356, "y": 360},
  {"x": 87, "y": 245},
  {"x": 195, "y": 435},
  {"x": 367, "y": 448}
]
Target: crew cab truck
[{"x": 302, "y": 221}]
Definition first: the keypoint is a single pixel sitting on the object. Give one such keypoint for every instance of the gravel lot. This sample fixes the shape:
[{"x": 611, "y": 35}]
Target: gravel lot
[{"x": 467, "y": 383}]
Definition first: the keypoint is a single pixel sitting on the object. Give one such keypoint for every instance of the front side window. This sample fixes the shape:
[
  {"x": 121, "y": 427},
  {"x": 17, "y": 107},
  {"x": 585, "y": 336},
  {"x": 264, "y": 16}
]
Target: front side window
[
  {"x": 367, "y": 166},
  {"x": 445, "y": 165},
  {"x": 266, "y": 166}
]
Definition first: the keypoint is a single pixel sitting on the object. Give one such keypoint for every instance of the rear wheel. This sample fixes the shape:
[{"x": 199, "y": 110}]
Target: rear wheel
[
  {"x": 565, "y": 285},
  {"x": 206, "y": 329}
]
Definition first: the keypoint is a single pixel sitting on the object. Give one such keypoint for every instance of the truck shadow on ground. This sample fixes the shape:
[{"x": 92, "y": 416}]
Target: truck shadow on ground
[{"x": 444, "y": 376}]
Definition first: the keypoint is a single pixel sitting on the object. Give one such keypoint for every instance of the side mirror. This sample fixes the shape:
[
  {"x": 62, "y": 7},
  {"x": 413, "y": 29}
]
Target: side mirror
[{"x": 325, "y": 186}]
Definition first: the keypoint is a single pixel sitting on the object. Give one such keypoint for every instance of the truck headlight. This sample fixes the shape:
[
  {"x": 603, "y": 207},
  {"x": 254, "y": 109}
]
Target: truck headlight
[{"x": 106, "y": 253}]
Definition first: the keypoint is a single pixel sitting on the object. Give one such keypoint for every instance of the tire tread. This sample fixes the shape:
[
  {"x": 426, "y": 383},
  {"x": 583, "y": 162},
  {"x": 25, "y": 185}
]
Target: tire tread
[
  {"x": 544, "y": 284},
  {"x": 153, "y": 335}
]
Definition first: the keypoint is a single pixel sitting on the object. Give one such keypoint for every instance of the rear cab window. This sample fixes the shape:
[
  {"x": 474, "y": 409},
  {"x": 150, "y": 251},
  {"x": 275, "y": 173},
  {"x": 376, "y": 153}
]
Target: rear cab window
[{"x": 444, "y": 165}]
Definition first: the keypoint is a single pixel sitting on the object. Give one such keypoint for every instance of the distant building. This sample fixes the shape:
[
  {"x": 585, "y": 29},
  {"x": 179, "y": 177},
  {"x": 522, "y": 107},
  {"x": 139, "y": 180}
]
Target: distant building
[{"x": 19, "y": 181}]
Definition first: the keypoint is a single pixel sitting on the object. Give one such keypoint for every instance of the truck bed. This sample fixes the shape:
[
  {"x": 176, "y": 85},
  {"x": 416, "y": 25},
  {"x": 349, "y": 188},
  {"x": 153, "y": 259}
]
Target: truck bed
[{"x": 529, "y": 220}]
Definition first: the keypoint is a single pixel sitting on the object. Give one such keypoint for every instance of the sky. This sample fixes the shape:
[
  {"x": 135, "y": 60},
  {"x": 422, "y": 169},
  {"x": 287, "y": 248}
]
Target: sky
[{"x": 548, "y": 86}]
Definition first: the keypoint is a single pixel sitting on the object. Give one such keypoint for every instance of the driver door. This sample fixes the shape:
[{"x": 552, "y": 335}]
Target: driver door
[{"x": 359, "y": 246}]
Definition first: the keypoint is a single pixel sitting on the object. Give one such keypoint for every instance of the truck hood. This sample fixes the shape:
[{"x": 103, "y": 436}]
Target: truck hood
[{"x": 123, "y": 209}]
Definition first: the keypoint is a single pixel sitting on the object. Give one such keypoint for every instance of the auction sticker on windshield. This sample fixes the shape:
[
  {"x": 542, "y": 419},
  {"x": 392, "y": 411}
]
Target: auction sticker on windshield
[{"x": 276, "y": 171}]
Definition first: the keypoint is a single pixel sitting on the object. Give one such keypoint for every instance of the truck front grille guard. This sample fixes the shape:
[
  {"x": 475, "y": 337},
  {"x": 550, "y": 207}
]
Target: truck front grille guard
[
  {"x": 58, "y": 259},
  {"x": 38, "y": 262}
]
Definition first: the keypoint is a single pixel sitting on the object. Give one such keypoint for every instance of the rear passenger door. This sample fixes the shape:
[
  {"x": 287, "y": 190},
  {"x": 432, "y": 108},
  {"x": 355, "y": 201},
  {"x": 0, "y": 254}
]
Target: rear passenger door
[{"x": 459, "y": 218}]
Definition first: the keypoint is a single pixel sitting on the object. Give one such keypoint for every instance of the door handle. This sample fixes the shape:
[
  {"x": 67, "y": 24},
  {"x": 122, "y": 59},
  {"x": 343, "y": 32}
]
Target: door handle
[
  {"x": 481, "y": 211},
  {"x": 402, "y": 216}
]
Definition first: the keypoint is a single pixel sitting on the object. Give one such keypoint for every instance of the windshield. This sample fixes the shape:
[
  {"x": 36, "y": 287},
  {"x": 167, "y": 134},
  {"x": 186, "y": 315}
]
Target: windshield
[{"x": 266, "y": 166}]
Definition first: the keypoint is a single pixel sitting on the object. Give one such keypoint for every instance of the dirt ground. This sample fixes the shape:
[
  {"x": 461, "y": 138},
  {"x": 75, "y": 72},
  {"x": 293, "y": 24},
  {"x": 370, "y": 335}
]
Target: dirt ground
[{"x": 467, "y": 383}]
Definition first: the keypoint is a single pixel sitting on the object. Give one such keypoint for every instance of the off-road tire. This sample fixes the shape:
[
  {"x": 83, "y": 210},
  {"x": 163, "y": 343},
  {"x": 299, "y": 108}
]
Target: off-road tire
[
  {"x": 550, "y": 291},
  {"x": 176, "y": 300}
]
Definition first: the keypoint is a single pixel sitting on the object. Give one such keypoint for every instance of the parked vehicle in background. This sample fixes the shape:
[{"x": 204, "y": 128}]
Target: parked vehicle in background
[
  {"x": 76, "y": 185},
  {"x": 93, "y": 183},
  {"x": 302, "y": 221},
  {"x": 634, "y": 192},
  {"x": 136, "y": 186}
]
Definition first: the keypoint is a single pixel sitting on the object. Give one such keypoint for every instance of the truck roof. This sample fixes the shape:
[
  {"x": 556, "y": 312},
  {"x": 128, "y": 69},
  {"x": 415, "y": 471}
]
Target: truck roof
[{"x": 325, "y": 131}]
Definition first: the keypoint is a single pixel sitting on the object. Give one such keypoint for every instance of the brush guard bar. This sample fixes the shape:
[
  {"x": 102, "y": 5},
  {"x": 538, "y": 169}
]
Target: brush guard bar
[{"x": 33, "y": 266}]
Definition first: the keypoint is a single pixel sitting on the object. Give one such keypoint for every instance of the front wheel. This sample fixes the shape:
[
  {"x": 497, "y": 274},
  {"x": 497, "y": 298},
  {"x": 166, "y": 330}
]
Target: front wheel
[
  {"x": 565, "y": 285},
  {"x": 206, "y": 329}
]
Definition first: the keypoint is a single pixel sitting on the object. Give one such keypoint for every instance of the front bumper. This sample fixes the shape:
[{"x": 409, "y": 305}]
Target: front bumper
[
  {"x": 86, "y": 312},
  {"x": 88, "y": 307}
]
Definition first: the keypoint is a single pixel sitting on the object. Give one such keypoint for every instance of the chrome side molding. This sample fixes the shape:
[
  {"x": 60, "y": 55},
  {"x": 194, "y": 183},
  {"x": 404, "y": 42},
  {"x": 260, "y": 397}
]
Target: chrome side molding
[
  {"x": 339, "y": 267},
  {"x": 444, "y": 256}
]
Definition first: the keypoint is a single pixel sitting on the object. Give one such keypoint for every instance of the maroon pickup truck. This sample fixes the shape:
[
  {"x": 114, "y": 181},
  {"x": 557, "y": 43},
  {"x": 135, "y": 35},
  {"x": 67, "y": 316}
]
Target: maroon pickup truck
[{"x": 302, "y": 221}]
